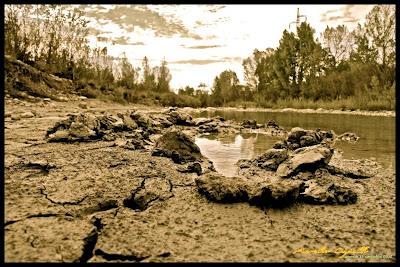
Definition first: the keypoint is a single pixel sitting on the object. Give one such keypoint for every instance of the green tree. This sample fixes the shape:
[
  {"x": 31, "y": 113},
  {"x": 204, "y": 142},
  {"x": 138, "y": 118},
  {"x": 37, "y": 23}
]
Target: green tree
[
  {"x": 285, "y": 64},
  {"x": 163, "y": 77},
  {"x": 225, "y": 87},
  {"x": 380, "y": 26},
  {"x": 129, "y": 74},
  {"x": 149, "y": 80},
  {"x": 186, "y": 91}
]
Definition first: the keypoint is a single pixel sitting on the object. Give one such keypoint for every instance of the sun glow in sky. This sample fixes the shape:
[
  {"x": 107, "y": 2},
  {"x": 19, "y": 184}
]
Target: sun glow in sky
[{"x": 201, "y": 41}]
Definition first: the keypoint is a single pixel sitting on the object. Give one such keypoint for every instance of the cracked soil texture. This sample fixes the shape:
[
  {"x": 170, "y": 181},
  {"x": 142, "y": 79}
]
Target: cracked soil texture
[{"x": 66, "y": 202}]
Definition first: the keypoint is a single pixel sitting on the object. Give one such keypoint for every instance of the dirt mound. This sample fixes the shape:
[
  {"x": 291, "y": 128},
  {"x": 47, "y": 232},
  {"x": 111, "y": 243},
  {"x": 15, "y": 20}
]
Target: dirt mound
[{"x": 23, "y": 80}]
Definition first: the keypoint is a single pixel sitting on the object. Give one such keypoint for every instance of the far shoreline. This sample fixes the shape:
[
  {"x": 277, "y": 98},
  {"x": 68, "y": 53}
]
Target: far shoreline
[{"x": 382, "y": 113}]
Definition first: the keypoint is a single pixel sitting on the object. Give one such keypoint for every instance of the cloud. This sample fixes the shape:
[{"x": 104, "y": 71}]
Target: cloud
[
  {"x": 122, "y": 40},
  {"x": 196, "y": 61},
  {"x": 237, "y": 59},
  {"x": 207, "y": 61},
  {"x": 214, "y": 9},
  {"x": 202, "y": 46},
  {"x": 346, "y": 14},
  {"x": 129, "y": 17},
  {"x": 95, "y": 31}
]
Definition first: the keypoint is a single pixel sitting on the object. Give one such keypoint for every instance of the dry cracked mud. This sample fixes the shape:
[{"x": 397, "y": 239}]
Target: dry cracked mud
[{"x": 95, "y": 201}]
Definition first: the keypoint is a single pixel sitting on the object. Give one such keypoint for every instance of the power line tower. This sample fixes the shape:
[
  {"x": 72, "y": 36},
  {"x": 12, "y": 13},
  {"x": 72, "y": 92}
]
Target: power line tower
[{"x": 298, "y": 19}]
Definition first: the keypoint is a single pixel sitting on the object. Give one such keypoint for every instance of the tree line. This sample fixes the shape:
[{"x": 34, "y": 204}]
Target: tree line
[{"x": 341, "y": 65}]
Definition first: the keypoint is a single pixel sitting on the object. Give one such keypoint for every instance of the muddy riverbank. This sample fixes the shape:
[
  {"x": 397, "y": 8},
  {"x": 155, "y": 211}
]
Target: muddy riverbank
[{"x": 95, "y": 194}]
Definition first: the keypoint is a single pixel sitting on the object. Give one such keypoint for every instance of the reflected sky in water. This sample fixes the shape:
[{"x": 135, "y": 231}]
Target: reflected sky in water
[{"x": 225, "y": 150}]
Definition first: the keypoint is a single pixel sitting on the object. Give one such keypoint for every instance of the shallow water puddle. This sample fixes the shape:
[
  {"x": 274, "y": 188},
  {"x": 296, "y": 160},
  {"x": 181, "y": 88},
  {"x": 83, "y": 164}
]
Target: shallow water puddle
[{"x": 225, "y": 150}]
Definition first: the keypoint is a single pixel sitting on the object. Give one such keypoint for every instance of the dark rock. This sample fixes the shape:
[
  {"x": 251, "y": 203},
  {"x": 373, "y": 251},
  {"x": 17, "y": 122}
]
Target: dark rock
[
  {"x": 210, "y": 127},
  {"x": 194, "y": 167},
  {"x": 178, "y": 146},
  {"x": 295, "y": 134},
  {"x": 142, "y": 120},
  {"x": 250, "y": 124},
  {"x": 272, "y": 123},
  {"x": 271, "y": 159},
  {"x": 280, "y": 145},
  {"x": 305, "y": 159},
  {"x": 180, "y": 118},
  {"x": 308, "y": 140}
]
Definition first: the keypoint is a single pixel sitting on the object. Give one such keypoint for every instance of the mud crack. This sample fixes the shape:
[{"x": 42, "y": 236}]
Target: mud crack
[
  {"x": 121, "y": 257},
  {"x": 40, "y": 215},
  {"x": 77, "y": 202},
  {"x": 149, "y": 191}
]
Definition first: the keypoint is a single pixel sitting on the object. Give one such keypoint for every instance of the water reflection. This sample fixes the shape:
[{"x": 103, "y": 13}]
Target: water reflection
[{"x": 225, "y": 150}]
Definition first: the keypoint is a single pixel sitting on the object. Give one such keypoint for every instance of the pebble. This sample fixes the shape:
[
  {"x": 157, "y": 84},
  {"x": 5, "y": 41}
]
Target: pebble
[
  {"x": 15, "y": 117},
  {"x": 27, "y": 115}
]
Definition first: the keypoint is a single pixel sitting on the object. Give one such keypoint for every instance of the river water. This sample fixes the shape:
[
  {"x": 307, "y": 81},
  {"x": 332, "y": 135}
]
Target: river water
[{"x": 377, "y": 136}]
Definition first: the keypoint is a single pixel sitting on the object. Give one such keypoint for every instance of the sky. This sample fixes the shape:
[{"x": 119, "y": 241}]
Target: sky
[{"x": 201, "y": 41}]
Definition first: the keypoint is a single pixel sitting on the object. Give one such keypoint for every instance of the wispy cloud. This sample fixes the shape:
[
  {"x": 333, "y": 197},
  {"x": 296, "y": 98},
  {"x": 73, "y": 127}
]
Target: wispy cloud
[
  {"x": 196, "y": 61},
  {"x": 232, "y": 59},
  {"x": 346, "y": 14},
  {"x": 202, "y": 46}
]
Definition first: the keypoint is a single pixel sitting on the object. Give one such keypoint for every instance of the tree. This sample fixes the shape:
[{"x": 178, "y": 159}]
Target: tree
[
  {"x": 380, "y": 28},
  {"x": 225, "y": 87},
  {"x": 363, "y": 52},
  {"x": 249, "y": 67},
  {"x": 338, "y": 42},
  {"x": 186, "y": 91},
  {"x": 285, "y": 64},
  {"x": 163, "y": 77},
  {"x": 128, "y": 73},
  {"x": 149, "y": 82}
]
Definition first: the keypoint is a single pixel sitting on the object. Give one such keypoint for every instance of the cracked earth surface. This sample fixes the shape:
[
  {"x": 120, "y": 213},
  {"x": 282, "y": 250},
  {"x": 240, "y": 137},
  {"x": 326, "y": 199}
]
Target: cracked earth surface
[{"x": 70, "y": 202}]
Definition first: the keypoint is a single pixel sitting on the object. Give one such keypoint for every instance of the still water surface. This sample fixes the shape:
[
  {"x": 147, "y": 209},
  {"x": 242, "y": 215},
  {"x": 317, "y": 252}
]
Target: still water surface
[{"x": 377, "y": 136}]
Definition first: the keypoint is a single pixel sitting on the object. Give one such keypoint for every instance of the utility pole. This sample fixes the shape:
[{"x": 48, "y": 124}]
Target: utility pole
[{"x": 298, "y": 22}]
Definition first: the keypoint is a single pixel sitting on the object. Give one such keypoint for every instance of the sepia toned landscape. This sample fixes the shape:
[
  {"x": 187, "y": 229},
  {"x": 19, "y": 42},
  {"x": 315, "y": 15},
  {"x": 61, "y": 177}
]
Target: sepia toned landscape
[{"x": 180, "y": 133}]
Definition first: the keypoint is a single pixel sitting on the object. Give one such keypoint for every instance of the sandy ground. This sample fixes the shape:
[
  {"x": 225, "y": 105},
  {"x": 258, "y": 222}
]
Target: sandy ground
[{"x": 72, "y": 210}]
